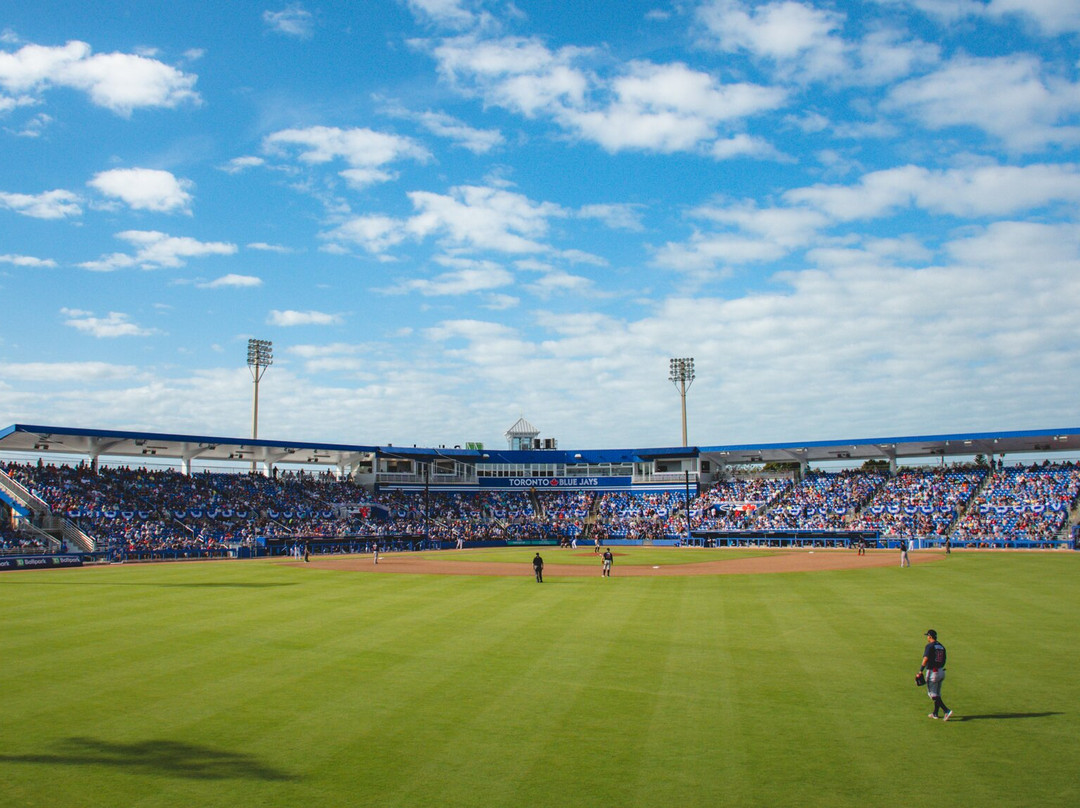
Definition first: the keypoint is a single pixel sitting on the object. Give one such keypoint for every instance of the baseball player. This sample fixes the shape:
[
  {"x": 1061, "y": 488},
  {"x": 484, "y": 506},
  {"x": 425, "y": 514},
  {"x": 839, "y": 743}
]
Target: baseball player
[
  {"x": 608, "y": 558},
  {"x": 933, "y": 663},
  {"x": 538, "y": 568}
]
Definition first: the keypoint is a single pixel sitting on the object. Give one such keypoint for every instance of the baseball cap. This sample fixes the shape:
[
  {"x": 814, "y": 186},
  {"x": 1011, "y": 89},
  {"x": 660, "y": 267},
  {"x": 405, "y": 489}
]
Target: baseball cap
[{"x": 931, "y": 633}]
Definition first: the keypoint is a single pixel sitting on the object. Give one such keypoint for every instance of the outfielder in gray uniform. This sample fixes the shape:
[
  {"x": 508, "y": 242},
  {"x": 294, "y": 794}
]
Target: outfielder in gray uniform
[{"x": 933, "y": 662}]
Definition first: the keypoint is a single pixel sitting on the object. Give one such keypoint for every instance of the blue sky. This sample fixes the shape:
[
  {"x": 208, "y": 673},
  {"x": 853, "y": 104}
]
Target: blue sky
[{"x": 860, "y": 218}]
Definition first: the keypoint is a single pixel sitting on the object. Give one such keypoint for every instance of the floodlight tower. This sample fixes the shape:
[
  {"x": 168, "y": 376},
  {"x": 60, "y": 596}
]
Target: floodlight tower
[
  {"x": 260, "y": 356},
  {"x": 681, "y": 374}
]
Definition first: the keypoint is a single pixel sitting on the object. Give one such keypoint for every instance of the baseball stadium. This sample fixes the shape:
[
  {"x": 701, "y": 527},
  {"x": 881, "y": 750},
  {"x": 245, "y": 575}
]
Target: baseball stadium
[
  {"x": 466, "y": 561},
  {"x": 198, "y": 620}
]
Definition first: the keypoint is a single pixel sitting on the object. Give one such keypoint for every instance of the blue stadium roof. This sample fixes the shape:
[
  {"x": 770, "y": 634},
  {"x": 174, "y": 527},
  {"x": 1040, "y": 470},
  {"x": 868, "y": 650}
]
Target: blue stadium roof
[
  {"x": 115, "y": 443},
  {"x": 44, "y": 440},
  {"x": 1035, "y": 441}
]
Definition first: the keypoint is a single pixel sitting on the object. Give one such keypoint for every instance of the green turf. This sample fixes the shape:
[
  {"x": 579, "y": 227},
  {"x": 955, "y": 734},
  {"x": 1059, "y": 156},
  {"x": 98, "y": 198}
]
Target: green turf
[{"x": 256, "y": 683}]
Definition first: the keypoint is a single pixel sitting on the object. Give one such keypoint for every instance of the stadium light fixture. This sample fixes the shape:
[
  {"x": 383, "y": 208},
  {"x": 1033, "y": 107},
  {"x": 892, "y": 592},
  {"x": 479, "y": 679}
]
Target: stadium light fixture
[
  {"x": 681, "y": 374},
  {"x": 260, "y": 356}
]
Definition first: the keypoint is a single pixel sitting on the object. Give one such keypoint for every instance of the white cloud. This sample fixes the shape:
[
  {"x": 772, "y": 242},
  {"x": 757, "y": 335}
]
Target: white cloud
[
  {"x": 453, "y": 14},
  {"x": 785, "y": 227},
  {"x": 705, "y": 251},
  {"x": 750, "y": 234},
  {"x": 970, "y": 192},
  {"x": 582, "y": 257},
  {"x": 945, "y": 10},
  {"x": 803, "y": 42},
  {"x": 337, "y": 365},
  {"x": 470, "y": 278},
  {"x": 291, "y": 318},
  {"x": 27, "y": 261},
  {"x": 799, "y": 38},
  {"x": 667, "y": 108},
  {"x": 482, "y": 218},
  {"x": 47, "y": 205},
  {"x": 645, "y": 106},
  {"x": 275, "y": 248},
  {"x": 238, "y": 164},
  {"x": 478, "y": 141},
  {"x": 318, "y": 351},
  {"x": 67, "y": 372},
  {"x": 336, "y": 358},
  {"x": 886, "y": 55},
  {"x": 620, "y": 216},
  {"x": 1007, "y": 97},
  {"x": 514, "y": 72},
  {"x": 363, "y": 177},
  {"x": 32, "y": 128},
  {"x": 1054, "y": 248},
  {"x": 115, "y": 324},
  {"x": 294, "y": 20},
  {"x": 470, "y": 217},
  {"x": 559, "y": 282},
  {"x": 232, "y": 281},
  {"x": 145, "y": 189},
  {"x": 376, "y": 234},
  {"x": 500, "y": 302},
  {"x": 156, "y": 250},
  {"x": 120, "y": 82},
  {"x": 743, "y": 145},
  {"x": 358, "y": 147},
  {"x": 1052, "y": 16}
]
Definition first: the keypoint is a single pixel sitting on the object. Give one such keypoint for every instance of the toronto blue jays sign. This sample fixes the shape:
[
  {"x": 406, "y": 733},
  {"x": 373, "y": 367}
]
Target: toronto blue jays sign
[{"x": 556, "y": 483}]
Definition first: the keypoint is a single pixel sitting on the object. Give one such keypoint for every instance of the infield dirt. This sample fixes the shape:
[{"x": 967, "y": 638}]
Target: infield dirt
[{"x": 800, "y": 560}]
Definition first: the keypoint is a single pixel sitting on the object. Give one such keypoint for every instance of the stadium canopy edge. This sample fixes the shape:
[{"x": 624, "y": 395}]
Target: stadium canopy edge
[
  {"x": 95, "y": 443},
  {"x": 989, "y": 444}
]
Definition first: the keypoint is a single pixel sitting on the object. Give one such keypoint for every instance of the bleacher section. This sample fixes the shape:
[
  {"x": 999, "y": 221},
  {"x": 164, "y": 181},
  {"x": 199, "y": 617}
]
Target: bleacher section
[
  {"x": 18, "y": 543},
  {"x": 140, "y": 513},
  {"x": 822, "y": 501},
  {"x": 921, "y": 502},
  {"x": 1021, "y": 505}
]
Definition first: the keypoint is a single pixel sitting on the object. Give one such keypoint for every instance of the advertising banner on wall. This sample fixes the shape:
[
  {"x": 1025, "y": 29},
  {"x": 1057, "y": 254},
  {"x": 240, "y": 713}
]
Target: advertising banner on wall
[
  {"x": 38, "y": 562},
  {"x": 556, "y": 483}
]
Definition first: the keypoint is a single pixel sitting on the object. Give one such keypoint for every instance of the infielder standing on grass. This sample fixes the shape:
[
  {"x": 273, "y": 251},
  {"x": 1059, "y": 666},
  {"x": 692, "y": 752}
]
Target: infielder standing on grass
[
  {"x": 933, "y": 662},
  {"x": 608, "y": 558}
]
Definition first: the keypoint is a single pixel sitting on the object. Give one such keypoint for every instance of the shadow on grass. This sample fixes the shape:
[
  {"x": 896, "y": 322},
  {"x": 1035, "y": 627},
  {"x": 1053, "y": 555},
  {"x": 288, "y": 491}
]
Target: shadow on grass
[
  {"x": 1000, "y": 716},
  {"x": 170, "y": 758}
]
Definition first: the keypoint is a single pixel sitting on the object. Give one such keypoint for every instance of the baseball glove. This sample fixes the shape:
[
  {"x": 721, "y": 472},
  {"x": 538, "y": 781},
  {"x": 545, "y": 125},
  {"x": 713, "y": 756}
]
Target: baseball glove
[{"x": 920, "y": 680}]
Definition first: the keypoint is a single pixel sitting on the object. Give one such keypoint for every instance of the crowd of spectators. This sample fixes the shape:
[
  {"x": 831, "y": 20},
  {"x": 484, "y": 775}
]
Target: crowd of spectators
[
  {"x": 141, "y": 512},
  {"x": 1021, "y": 504},
  {"x": 13, "y": 541},
  {"x": 821, "y": 501},
  {"x": 640, "y": 516},
  {"x": 736, "y": 503},
  {"x": 920, "y": 502}
]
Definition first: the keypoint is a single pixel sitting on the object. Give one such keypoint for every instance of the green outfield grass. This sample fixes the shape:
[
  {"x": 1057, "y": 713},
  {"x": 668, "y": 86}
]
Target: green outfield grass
[{"x": 257, "y": 683}]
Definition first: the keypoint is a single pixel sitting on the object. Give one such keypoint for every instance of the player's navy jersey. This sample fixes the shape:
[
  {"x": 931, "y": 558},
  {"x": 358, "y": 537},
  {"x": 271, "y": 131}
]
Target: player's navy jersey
[{"x": 935, "y": 655}]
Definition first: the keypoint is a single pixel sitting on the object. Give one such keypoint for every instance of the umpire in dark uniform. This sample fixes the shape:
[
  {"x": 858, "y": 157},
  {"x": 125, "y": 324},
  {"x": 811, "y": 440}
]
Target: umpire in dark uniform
[
  {"x": 538, "y": 568},
  {"x": 933, "y": 663}
]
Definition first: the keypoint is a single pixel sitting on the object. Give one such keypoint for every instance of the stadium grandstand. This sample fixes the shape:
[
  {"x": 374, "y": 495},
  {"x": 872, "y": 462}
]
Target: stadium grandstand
[{"x": 115, "y": 495}]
